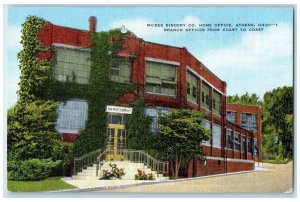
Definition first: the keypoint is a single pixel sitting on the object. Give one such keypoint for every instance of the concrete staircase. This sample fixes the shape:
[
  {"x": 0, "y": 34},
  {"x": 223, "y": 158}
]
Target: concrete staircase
[{"x": 130, "y": 169}]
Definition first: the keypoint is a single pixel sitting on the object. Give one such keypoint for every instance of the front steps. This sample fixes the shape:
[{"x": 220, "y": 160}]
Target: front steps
[{"x": 130, "y": 169}]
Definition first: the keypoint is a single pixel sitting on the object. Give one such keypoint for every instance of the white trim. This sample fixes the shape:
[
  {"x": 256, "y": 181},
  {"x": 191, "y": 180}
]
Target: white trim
[
  {"x": 229, "y": 129},
  {"x": 192, "y": 102},
  {"x": 229, "y": 159},
  {"x": 162, "y": 61},
  {"x": 200, "y": 77},
  {"x": 161, "y": 94},
  {"x": 70, "y": 46},
  {"x": 68, "y": 131}
]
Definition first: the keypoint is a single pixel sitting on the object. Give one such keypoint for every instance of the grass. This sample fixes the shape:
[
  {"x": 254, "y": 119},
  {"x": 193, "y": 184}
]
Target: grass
[
  {"x": 277, "y": 161},
  {"x": 52, "y": 183}
]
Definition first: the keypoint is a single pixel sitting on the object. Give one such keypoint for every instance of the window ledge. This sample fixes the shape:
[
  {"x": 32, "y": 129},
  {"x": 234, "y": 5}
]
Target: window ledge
[{"x": 161, "y": 94}]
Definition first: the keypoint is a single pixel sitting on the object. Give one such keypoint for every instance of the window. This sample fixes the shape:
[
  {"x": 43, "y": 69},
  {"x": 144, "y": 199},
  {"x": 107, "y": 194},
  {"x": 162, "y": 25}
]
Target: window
[
  {"x": 205, "y": 96},
  {"x": 229, "y": 139},
  {"x": 120, "y": 69},
  {"x": 249, "y": 122},
  {"x": 207, "y": 126},
  {"x": 244, "y": 144},
  {"x": 237, "y": 141},
  {"x": 72, "y": 65},
  {"x": 216, "y": 136},
  {"x": 217, "y": 103},
  {"x": 250, "y": 148},
  {"x": 231, "y": 116},
  {"x": 72, "y": 116},
  {"x": 153, "y": 113},
  {"x": 255, "y": 147},
  {"x": 160, "y": 78},
  {"x": 192, "y": 87}
]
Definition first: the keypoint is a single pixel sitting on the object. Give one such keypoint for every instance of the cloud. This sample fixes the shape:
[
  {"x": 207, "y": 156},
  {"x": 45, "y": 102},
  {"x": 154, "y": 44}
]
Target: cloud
[
  {"x": 259, "y": 62},
  {"x": 14, "y": 38},
  {"x": 256, "y": 50}
]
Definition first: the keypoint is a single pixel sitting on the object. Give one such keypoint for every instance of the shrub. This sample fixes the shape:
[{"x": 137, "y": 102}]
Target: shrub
[
  {"x": 32, "y": 169},
  {"x": 141, "y": 175},
  {"x": 115, "y": 172}
]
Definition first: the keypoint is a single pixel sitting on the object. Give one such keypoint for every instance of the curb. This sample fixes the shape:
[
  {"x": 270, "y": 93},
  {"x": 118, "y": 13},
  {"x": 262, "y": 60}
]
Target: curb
[{"x": 152, "y": 183}]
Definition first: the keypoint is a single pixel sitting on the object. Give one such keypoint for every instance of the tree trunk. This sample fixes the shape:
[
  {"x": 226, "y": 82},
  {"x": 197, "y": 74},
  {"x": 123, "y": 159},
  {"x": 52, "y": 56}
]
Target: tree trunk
[{"x": 177, "y": 166}]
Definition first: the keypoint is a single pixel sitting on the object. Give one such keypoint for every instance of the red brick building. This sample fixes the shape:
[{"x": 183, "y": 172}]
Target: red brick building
[{"x": 169, "y": 77}]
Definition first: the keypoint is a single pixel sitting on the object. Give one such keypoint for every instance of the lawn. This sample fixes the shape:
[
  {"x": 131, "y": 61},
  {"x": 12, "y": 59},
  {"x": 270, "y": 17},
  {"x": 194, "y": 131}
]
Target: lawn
[{"x": 53, "y": 183}]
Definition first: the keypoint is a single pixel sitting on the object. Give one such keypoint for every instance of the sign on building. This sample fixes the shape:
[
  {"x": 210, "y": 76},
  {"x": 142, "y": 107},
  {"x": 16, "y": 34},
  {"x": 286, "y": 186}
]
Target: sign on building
[{"x": 120, "y": 110}]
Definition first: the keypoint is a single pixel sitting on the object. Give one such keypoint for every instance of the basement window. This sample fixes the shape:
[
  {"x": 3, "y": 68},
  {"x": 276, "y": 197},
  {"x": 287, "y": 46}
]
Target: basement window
[
  {"x": 160, "y": 78},
  {"x": 120, "y": 69}
]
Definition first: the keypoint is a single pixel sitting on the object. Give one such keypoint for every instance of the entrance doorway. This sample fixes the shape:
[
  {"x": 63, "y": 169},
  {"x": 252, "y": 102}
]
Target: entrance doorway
[{"x": 116, "y": 136}]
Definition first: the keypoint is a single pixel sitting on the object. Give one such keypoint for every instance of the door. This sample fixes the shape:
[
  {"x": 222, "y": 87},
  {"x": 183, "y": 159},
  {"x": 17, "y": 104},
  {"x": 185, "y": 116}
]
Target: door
[{"x": 116, "y": 137}]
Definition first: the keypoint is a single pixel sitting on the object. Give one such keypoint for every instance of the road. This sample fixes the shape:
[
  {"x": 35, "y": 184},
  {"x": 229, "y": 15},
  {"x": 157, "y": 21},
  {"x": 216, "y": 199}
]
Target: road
[{"x": 275, "y": 179}]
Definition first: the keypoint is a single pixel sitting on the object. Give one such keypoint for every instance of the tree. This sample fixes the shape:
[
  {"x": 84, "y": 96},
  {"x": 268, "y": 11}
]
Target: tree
[
  {"x": 138, "y": 127},
  {"x": 246, "y": 99},
  {"x": 278, "y": 112},
  {"x": 181, "y": 133}
]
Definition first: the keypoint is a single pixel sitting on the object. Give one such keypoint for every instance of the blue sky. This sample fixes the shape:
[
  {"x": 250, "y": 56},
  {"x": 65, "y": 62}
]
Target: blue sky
[{"x": 253, "y": 62}]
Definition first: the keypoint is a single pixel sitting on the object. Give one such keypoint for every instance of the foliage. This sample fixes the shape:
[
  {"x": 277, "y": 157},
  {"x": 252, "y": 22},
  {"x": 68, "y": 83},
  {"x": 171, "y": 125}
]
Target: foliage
[
  {"x": 278, "y": 119},
  {"x": 141, "y": 175},
  {"x": 101, "y": 90},
  {"x": 181, "y": 133},
  {"x": 138, "y": 127},
  {"x": 246, "y": 99},
  {"x": 31, "y": 122},
  {"x": 32, "y": 169},
  {"x": 115, "y": 172},
  {"x": 277, "y": 160},
  {"x": 52, "y": 183}
]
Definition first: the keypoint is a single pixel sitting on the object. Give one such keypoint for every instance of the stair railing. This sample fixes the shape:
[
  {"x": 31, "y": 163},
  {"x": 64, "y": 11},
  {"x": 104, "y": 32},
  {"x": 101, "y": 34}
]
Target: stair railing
[
  {"x": 86, "y": 160},
  {"x": 140, "y": 156}
]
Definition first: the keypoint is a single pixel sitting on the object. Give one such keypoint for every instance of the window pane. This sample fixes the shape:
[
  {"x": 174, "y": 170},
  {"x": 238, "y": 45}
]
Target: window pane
[
  {"x": 217, "y": 97},
  {"x": 192, "y": 87},
  {"x": 207, "y": 126},
  {"x": 72, "y": 65},
  {"x": 160, "y": 78},
  {"x": 237, "y": 141},
  {"x": 216, "y": 136},
  {"x": 72, "y": 116},
  {"x": 120, "y": 69},
  {"x": 249, "y": 122},
  {"x": 205, "y": 96},
  {"x": 231, "y": 116},
  {"x": 229, "y": 139}
]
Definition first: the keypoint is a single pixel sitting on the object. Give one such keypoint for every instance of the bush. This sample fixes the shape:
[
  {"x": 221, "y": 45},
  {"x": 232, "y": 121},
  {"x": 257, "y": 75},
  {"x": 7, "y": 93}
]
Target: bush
[
  {"x": 32, "y": 169},
  {"x": 278, "y": 160},
  {"x": 143, "y": 176},
  {"x": 115, "y": 172}
]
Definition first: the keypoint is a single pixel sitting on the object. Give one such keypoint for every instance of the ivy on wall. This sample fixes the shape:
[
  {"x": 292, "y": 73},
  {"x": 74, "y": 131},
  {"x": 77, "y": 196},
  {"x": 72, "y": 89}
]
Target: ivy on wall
[
  {"x": 38, "y": 85},
  {"x": 31, "y": 126}
]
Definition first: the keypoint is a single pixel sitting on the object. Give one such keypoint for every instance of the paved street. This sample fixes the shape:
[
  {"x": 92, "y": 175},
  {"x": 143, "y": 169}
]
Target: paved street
[{"x": 277, "y": 178}]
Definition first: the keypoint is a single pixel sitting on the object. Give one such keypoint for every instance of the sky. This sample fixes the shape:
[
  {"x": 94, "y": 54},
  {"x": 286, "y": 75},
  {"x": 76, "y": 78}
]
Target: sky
[{"x": 253, "y": 62}]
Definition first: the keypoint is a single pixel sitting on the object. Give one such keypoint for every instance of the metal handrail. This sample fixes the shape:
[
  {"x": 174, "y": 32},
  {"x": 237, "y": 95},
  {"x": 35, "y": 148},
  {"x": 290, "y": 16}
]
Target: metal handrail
[
  {"x": 86, "y": 160},
  {"x": 138, "y": 156}
]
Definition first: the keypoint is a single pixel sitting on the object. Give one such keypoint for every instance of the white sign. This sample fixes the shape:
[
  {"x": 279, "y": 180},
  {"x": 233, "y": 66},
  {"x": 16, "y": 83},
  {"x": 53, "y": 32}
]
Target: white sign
[{"x": 120, "y": 110}]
